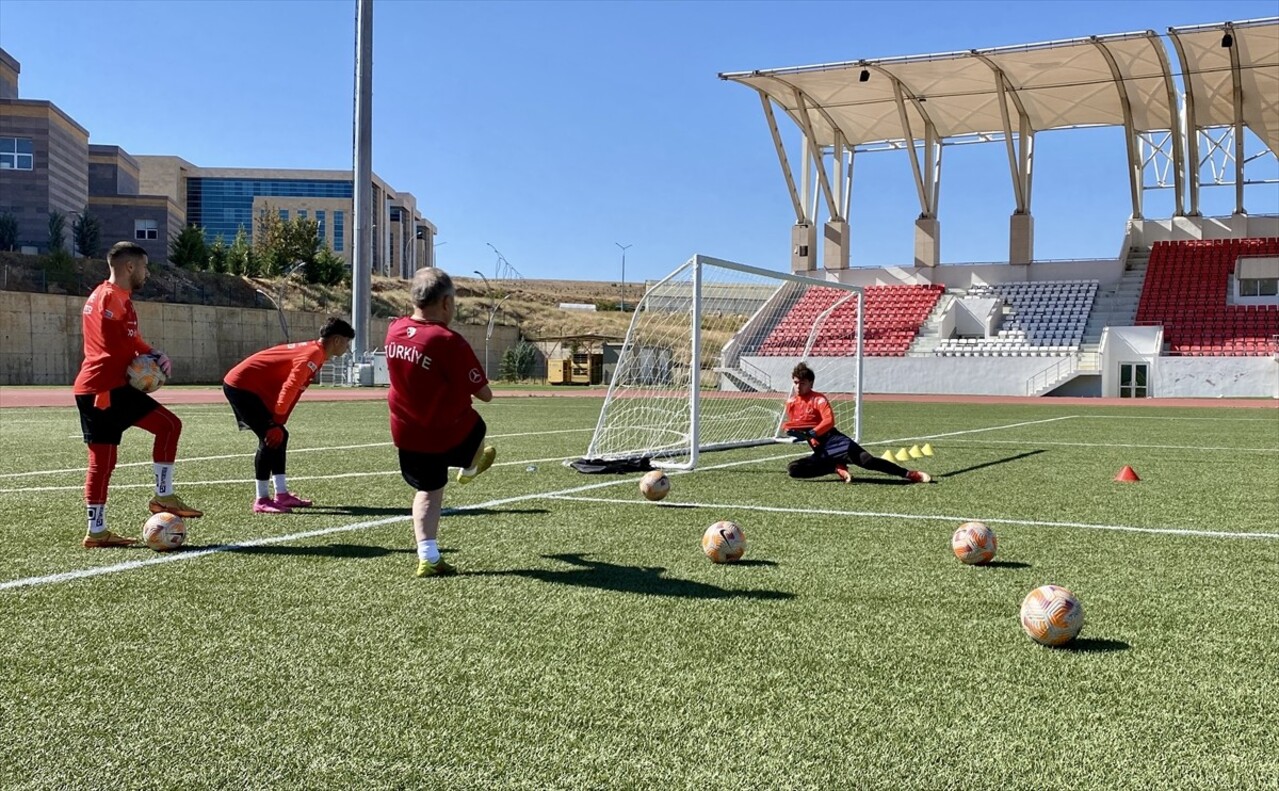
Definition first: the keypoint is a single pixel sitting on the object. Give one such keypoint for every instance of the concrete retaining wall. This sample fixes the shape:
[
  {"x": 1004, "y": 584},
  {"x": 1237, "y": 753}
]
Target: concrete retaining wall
[{"x": 41, "y": 341}]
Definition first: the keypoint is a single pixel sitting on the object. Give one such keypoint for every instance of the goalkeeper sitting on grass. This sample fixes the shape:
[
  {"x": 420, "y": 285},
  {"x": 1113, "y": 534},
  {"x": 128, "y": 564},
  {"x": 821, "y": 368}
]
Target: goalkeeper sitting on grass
[{"x": 809, "y": 418}]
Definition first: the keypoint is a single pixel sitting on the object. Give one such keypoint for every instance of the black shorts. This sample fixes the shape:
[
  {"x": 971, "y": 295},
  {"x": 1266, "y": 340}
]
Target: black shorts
[
  {"x": 106, "y": 426},
  {"x": 250, "y": 412},
  {"x": 427, "y": 472}
]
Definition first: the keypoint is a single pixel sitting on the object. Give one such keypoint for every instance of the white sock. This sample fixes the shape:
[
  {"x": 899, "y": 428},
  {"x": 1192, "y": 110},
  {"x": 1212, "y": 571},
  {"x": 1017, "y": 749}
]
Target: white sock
[
  {"x": 97, "y": 518},
  {"x": 264, "y": 493},
  {"x": 281, "y": 484},
  {"x": 428, "y": 550},
  {"x": 163, "y": 479}
]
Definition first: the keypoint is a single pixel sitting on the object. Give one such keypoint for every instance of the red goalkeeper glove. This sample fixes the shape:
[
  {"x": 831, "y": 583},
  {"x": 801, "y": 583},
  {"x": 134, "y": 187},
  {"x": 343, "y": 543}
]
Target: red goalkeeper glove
[{"x": 274, "y": 436}]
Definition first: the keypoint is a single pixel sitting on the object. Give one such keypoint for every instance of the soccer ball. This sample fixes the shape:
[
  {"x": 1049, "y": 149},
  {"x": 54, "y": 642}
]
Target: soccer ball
[
  {"x": 145, "y": 373},
  {"x": 724, "y": 542},
  {"x": 164, "y": 532},
  {"x": 655, "y": 485},
  {"x": 1051, "y": 615},
  {"x": 973, "y": 543}
]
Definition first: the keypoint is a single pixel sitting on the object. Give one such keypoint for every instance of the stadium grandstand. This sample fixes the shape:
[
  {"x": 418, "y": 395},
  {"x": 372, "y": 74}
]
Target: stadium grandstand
[{"x": 1188, "y": 308}]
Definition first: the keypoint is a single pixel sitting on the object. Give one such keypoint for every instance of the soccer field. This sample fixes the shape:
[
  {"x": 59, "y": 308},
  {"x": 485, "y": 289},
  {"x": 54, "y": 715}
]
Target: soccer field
[{"x": 587, "y": 643}]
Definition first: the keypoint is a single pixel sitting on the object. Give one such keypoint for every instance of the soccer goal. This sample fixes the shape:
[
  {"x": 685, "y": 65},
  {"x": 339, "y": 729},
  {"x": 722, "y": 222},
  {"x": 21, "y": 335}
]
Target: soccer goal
[{"x": 706, "y": 364}]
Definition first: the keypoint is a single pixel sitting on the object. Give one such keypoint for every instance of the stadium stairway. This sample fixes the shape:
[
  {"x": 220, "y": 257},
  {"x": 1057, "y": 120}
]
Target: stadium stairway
[
  {"x": 1116, "y": 305},
  {"x": 929, "y": 337}
]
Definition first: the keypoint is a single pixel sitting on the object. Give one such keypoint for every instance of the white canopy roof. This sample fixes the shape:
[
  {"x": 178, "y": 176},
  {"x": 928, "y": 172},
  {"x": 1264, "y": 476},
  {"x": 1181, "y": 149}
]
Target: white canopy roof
[{"x": 1079, "y": 82}]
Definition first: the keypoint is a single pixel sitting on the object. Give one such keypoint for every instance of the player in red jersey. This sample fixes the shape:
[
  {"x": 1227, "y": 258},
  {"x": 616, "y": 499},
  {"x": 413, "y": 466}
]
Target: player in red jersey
[
  {"x": 434, "y": 375},
  {"x": 109, "y": 405},
  {"x": 263, "y": 389},
  {"x": 809, "y": 418}
]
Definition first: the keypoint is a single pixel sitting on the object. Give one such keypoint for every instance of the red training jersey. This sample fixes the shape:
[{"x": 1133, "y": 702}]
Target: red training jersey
[
  {"x": 278, "y": 375},
  {"x": 810, "y": 411},
  {"x": 111, "y": 340},
  {"x": 434, "y": 373}
]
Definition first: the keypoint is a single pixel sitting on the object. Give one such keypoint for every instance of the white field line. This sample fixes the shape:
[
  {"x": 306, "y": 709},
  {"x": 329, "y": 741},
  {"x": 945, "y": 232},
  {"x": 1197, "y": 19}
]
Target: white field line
[
  {"x": 292, "y": 478},
  {"x": 1183, "y": 417},
  {"x": 721, "y": 507},
  {"x": 1108, "y": 445},
  {"x": 366, "y": 474},
  {"x": 291, "y": 450},
  {"x": 970, "y": 431},
  {"x": 69, "y": 576}
]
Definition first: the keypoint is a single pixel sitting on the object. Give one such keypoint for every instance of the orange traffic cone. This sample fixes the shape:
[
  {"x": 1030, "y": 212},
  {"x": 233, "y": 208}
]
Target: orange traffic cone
[{"x": 1127, "y": 475}]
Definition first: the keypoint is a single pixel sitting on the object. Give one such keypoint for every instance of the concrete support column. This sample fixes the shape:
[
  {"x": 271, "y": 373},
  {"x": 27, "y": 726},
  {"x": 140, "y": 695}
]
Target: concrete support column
[
  {"x": 927, "y": 241},
  {"x": 803, "y": 241},
  {"x": 1021, "y": 239},
  {"x": 835, "y": 245}
]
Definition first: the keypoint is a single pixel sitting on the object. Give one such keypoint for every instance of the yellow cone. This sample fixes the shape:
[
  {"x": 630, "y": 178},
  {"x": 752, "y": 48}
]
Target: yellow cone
[
  {"x": 888, "y": 455},
  {"x": 902, "y": 455},
  {"x": 915, "y": 452},
  {"x": 927, "y": 450}
]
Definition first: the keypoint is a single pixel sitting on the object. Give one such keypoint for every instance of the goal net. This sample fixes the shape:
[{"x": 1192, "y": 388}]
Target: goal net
[{"x": 706, "y": 364}]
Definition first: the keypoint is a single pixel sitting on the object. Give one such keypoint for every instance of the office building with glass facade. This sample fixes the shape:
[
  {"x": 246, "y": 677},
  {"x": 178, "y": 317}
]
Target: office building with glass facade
[
  {"x": 47, "y": 165},
  {"x": 221, "y": 201}
]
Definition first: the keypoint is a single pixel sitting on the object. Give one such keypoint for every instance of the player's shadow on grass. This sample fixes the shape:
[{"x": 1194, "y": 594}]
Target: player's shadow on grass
[
  {"x": 378, "y": 510},
  {"x": 355, "y": 510},
  {"x": 1094, "y": 645},
  {"x": 630, "y": 579},
  {"x": 340, "y": 551},
  {"x": 993, "y": 463}
]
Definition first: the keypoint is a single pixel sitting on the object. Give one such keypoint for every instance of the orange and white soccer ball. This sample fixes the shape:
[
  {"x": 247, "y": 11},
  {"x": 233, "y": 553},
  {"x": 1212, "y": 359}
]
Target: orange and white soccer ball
[
  {"x": 973, "y": 543},
  {"x": 724, "y": 542},
  {"x": 655, "y": 485},
  {"x": 145, "y": 374},
  {"x": 164, "y": 532},
  {"x": 1051, "y": 615}
]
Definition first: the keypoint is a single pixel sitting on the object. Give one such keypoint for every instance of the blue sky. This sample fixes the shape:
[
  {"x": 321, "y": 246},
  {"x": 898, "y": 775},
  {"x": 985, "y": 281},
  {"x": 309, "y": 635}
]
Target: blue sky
[{"x": 554, "y": 130}]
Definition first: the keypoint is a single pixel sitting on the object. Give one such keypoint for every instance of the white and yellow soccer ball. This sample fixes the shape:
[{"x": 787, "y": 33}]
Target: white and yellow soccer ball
[
  {"x": 145, "y": 374},
  {"x": 724, "y": 542},
  {"x": 973, "y": 543},
  {"x": 1051, "y": 615},
  {"x": 655, "y": 485},
  {"x": 164, "y": 532}
]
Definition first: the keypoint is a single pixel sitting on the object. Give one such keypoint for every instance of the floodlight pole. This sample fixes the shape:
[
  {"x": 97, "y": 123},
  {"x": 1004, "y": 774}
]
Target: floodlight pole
[
  {"x": 622, "y": 302},
  {"x": 362, "y": 174}
]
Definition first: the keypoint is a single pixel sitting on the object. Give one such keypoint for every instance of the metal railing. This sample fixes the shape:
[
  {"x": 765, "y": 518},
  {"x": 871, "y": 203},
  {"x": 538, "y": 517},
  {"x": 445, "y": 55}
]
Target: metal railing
[
  {"x": 756, "y": 373},
  {"x": 1051, "y": 375}
]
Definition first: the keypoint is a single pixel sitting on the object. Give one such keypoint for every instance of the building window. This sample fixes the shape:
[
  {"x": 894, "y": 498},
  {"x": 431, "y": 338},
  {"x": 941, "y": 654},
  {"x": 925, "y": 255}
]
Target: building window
[
  {"x": 17, "y": 153},
  {"x": 339, "y": 231},
  {"x": 319, "y": 229},
  {"x": 1258, "y": 286},
  {"x": 284, "y": 214},
  {"x": 146, "y": 229},
  {"x": 302, "y": 213}
]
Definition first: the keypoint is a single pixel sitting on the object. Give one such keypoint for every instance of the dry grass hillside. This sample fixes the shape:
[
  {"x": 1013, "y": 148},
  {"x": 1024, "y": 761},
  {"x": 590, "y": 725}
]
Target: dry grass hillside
[{"x": 530, "y": 305}]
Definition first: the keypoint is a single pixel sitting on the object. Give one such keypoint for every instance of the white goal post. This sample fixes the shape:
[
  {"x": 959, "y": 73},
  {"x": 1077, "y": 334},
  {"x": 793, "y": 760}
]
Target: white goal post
[{"x": 706, "y": 363}]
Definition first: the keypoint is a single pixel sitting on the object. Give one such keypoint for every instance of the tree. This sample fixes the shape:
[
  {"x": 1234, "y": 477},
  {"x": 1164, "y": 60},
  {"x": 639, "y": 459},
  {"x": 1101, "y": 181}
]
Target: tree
[
  {"x": 218, "y": 255},
  {"x": 188, "y": 249},
  {"x": 270, "y": 241},
  {"x": 58, "y": 266},
  {"x": 240, "y": 258},
  {"x": 57, "y": 232},
  {"x": 86, "y": 232},
  {"x": 8, "y": 231},
  {"x": 327, "y": 269},
  {"x": 518, "y": 361}
]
